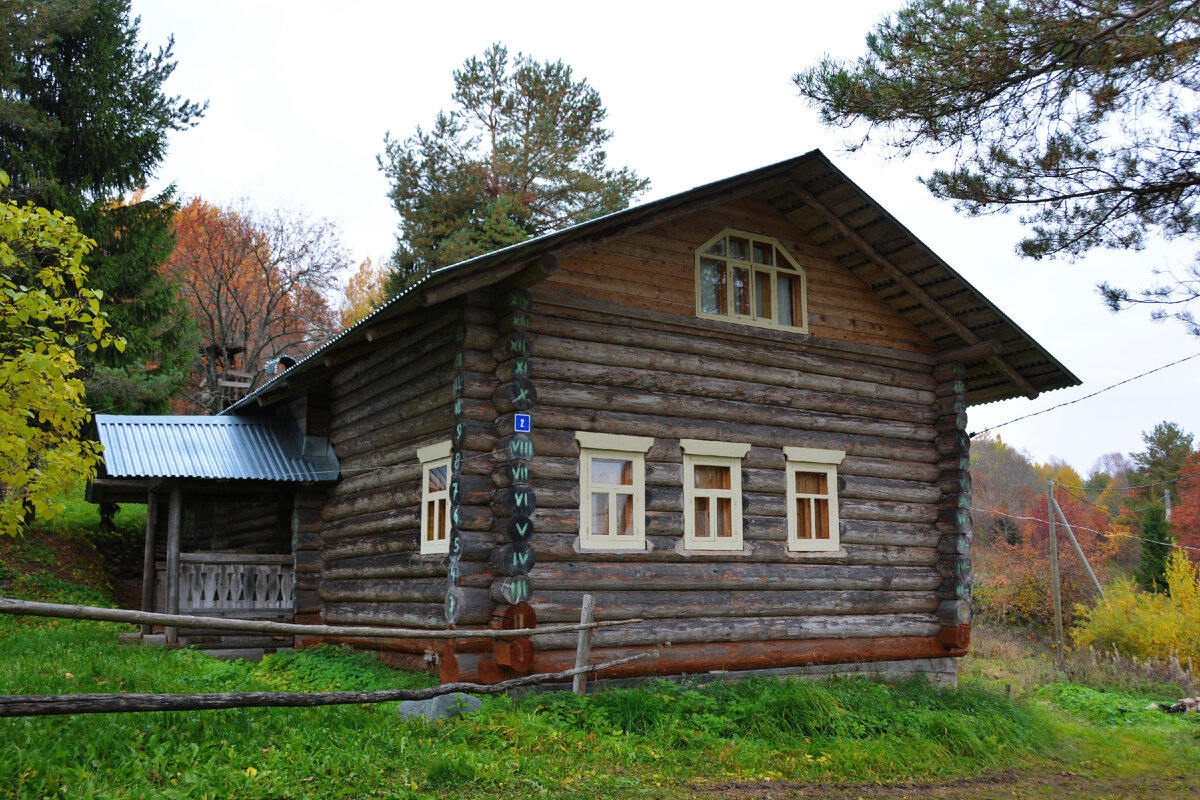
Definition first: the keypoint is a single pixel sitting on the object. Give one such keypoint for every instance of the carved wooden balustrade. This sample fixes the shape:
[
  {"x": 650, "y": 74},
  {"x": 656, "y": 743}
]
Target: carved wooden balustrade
[{"x": 230, "y": 584}]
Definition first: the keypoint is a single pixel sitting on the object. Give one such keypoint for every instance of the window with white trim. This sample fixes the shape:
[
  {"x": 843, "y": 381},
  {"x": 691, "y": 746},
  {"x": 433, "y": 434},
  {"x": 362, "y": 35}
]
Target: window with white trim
[
  {"x": 812, "y": 500},
  {"x": 712, "y": 494},
  {"x": 750, "y": 279},
  {"x": 612, "y": 491},
  {"x": 435, "y": 497}
]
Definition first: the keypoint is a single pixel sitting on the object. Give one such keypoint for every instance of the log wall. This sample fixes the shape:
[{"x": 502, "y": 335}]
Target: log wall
[
  {"x": 358, "y": 543},
  {"x": 614, "y": 346}
]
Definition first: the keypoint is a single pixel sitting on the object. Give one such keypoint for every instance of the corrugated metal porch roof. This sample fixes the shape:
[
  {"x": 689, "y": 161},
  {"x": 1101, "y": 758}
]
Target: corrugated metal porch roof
[{"x": 225, "y": 447}]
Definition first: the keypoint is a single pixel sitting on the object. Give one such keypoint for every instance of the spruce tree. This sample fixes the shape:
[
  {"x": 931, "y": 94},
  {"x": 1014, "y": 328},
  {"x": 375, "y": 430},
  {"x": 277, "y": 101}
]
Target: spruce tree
[
  {"x": 1156, "y": 548},
  {"x": 83, "y": 124}
]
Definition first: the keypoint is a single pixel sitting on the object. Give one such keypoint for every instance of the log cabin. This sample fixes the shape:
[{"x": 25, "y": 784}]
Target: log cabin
[{"x": 737, "y": 414}]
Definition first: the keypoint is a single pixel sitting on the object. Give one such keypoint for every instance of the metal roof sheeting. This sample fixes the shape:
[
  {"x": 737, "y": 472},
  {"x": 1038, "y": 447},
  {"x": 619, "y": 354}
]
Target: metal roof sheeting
[{"x": 226, "y": 447}]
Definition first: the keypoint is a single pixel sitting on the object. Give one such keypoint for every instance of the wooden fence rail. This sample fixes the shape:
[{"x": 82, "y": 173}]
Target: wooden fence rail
[
  {"x": 30, "y": 608},
  {"x": 59, "y": 704}
]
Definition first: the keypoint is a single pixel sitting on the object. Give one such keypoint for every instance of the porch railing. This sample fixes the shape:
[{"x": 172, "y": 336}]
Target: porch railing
[{"x": 229, "y": 584}]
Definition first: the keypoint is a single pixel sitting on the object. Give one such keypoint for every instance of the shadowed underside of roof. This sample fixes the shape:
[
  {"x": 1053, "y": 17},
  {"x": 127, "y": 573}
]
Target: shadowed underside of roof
[
  {"x": 1001, "y": 360},
  {"x": 226, "y": 447}
]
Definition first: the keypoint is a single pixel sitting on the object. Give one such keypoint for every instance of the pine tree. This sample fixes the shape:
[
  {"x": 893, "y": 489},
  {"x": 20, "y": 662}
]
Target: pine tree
[
  {"x": 521, "y": 155},
  {"x": 1083, "y": 115},
  {"x": 1156, "y": 548},
  {"x": 83, "y": 124}
]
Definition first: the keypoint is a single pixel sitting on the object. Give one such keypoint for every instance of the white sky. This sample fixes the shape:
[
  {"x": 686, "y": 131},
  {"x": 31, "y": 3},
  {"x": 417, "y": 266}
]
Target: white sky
[{"x": 301, "y": 93}]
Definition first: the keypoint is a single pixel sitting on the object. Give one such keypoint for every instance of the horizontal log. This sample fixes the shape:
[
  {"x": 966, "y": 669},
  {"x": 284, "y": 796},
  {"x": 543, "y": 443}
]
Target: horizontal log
[
  {"x": 557, "y": 576},
  {"x": 394, "y": 521},
  {"x": 574, "y": 396},
  {"x": 748, "y": 388},
  {"x": 752, "y": 629},
  {"x": 407, "y": 590},
  {"x": 559, "y": 606},
  {"x": 405, "y": 495}
]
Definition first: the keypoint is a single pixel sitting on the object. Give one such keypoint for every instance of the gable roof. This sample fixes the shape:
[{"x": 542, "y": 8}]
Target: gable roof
[
  {"x": 224, "y": 447},
  {"x": 1002, "y": 361}
]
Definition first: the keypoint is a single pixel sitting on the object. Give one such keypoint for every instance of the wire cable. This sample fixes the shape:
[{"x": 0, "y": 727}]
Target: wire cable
[
  {"x": 1085, "y": 397},
  {"x": 1082, "y": 528}
]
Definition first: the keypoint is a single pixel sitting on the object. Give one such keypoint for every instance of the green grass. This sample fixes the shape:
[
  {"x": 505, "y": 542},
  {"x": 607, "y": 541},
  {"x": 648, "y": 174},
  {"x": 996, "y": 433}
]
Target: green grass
[{"x": 658, "y": 740}]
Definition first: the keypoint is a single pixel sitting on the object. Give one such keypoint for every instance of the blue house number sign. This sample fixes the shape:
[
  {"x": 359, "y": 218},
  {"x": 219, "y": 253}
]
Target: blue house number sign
[{"x": 522, "y": 423}]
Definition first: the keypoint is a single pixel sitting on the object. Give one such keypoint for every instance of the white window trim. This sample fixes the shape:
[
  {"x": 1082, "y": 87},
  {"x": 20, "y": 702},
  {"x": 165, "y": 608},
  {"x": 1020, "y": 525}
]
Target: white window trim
[
  {"x": 614, "y": 446},
  {"x": 729, "y": 315},
  {"x": 716, "y": 454},
  {"x": 807, "y": 459},
  {"x": 432, "y": 457}
]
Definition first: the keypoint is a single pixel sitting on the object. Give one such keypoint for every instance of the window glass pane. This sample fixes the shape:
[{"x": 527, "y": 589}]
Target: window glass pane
[
  {"x": 781, "y": 261},
  {"x": 762, "y": 294},
  {"x": 717, "y": 248},
  {"x": 787, "y": 314},
  {"x": 430, "y": 520},
  {"x": 711, "y": 477},
  {"x": 741, "y": 291},
  {"x": 702, "y": 523},
  {"x": 624, "y": 515},
  {"x": 803, "y": 518},
  {"x": 437, "y": 479},
  {"x": 724, "y": 518},
  {"x": 712, "y": 287},
  {"x": 822, "y": 518},
  {"x": 739, "y": 248},
  {"x": 599, "y": 513},
  {"x": 762, "y": 253},
  {"x": 810, "y": 482},
  {"x": 612, "y": 472},
  {"x": 441, "y": 520}
]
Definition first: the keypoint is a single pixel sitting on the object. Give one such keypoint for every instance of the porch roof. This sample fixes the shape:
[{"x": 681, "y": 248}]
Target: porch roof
[{"x": 218, "y": 448}]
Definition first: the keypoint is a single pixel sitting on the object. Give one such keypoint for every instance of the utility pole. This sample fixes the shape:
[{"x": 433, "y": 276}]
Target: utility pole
[
  {"x": 1167, "y": 503},
  {"x": 1056, "y": 590}
]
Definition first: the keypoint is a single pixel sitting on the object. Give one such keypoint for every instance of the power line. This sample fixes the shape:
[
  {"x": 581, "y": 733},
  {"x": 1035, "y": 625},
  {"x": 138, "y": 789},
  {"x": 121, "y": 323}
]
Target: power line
[
  {"x": 1085, "y": 397},
  {"x": 1180, "y": 479}
]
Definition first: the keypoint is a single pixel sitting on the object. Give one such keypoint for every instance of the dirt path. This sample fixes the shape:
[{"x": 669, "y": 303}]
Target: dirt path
[{"x": 1002, "y": 786}]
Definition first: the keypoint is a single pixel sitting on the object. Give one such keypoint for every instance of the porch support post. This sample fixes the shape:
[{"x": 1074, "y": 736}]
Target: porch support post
[
  {"x": 174, "y": 523},
  {"x": 148, "y": 556}
]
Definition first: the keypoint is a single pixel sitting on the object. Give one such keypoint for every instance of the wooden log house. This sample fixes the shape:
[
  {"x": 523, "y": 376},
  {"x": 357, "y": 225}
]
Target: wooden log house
[{"x": 737, "y": 414}]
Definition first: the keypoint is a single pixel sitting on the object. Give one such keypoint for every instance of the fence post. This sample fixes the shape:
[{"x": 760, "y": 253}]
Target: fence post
[
  {"x": 174, "y": 523},
  {"x": 1056, "y": 590},
  {"x": 583, "y": 650}
]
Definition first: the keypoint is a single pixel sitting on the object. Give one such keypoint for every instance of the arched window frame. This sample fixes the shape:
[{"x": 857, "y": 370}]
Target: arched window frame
[{"x": 718, "y": 259}]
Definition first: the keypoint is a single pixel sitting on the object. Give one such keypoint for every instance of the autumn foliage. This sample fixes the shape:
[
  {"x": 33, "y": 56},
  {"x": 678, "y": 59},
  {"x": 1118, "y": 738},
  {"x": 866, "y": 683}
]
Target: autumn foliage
[
  {"x": 256, "y": 285},
  {"x": 1185, "y": 519}
]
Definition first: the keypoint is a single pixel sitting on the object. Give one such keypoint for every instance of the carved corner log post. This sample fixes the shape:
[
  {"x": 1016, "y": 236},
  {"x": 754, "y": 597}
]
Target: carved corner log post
[
  {"x": 174, "y": 524},
  {"x": 148, "y": 555},
  {"x": 514, "y": 501},
  {"x": 954, "y": 511},
  {"x": 583, "y": 649}
]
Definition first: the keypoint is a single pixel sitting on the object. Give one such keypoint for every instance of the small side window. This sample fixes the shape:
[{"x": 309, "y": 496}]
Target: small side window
[
  {"x": 812, "y": 499},
  {"x": 435, "y": 497},
  {"x": 712, "y": 494},
  {"x": 612, "y": 491}
]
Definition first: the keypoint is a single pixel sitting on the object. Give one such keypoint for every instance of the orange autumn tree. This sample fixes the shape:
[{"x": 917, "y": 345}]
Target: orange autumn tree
[
  {"x": 1185, "y": 518},
  {"x": 256, "y": 283},
  {"x": 366, "y": 290}
]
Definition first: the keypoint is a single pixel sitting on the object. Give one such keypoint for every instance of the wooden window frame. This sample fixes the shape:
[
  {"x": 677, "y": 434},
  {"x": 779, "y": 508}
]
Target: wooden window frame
[
  {"x": 698, "y": 453},
  {"x": 774, "y": 270},
  {"x": 432, "y": 457},
  {"x": 807, "y": 459},
  {"x": 621, "y": 448}
]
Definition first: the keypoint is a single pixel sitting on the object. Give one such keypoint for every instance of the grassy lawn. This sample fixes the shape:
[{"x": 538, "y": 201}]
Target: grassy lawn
[
  {"x": 663, "y": 740},
  {"x": 1015, "y": 728}
]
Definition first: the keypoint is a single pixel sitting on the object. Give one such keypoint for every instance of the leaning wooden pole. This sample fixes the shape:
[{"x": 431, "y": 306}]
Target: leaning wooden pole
[
  {"x": 59, "y": 704},
  {"x": 1078, "y": 550},
  {"x": 583, "y": 648},
  {"x": 1055, "y": 588},
  {"x": 61, "y": 611}
]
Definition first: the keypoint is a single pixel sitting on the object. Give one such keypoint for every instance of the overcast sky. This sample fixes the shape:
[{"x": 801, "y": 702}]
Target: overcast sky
[{"x": 301, "y": 93}]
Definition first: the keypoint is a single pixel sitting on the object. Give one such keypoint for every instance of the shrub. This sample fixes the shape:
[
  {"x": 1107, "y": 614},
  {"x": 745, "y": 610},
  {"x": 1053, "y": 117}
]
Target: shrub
[{"x": 1148, "y": 625}]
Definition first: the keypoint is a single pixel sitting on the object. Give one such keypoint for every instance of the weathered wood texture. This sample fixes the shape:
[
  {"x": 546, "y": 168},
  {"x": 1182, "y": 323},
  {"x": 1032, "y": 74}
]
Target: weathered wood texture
[{"x": 358, "y": 543}]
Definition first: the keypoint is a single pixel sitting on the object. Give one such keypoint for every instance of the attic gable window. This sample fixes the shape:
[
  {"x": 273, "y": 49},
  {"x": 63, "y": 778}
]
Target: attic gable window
[{"x": 750, "y": 279}]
